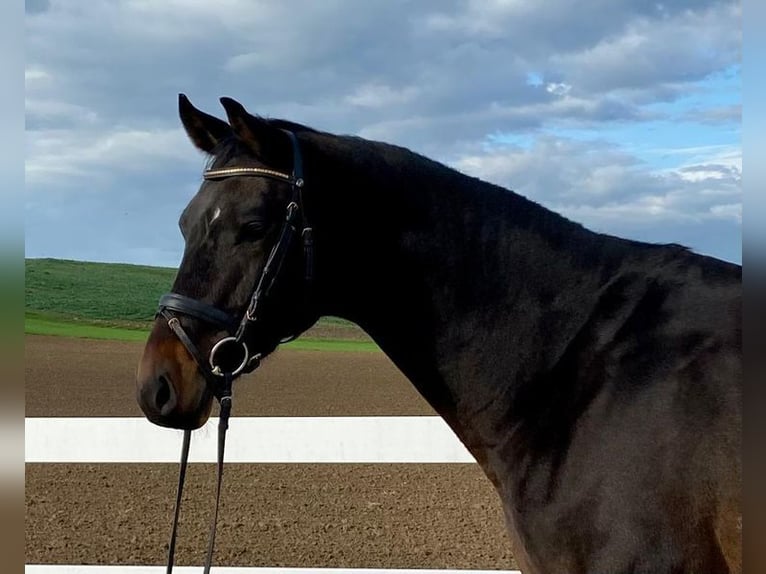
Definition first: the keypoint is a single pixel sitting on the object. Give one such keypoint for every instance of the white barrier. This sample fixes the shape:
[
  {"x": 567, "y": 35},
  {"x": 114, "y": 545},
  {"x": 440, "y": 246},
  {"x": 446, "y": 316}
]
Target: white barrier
[
  {"x": 250, "y": 440},
  {"x": 56, "y": 569}
]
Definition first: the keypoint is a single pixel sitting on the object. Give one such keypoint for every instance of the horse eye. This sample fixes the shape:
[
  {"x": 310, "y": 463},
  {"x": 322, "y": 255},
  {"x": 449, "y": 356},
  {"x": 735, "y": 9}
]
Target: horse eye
[{"x": 253, "y": 230}]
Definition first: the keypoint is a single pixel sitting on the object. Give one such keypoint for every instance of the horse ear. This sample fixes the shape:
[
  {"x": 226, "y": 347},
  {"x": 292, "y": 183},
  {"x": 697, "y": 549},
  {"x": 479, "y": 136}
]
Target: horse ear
[
  {"x": 205, "y": 131},
  {"x": 270, "y": 144}
]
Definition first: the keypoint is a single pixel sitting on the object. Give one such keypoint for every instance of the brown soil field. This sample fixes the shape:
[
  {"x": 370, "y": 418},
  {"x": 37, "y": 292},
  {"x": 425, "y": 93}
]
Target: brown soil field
[{"x": 300, "y": 515}]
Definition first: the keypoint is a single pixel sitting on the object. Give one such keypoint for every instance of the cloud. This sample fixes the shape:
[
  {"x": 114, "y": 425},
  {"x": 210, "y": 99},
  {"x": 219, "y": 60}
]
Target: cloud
[
  {"x": 403, "y": 62},
  {"x": 660, "y": 51},
  {"x": 607, "y": 188},
  {"x": 50, "y": 111},
  {"x": 75, "y": 156},
  {"x": 36, "y": 75},
  {"x": 439, "y": 76},
  {"x": 715, "y": 115},
  {"x": 36, "y": 6},
  {"x": 377, "y": 95}
]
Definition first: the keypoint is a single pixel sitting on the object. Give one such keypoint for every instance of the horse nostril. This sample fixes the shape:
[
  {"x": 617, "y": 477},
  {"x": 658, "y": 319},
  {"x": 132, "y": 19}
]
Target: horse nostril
[{"x": 165, "y": 398}]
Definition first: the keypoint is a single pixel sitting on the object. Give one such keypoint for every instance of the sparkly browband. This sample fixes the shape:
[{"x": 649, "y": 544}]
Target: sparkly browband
[{"x": 257, "y": 171}]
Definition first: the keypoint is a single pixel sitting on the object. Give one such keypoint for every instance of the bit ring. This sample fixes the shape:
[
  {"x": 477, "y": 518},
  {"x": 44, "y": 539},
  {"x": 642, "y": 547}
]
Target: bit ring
[{"x": 216, "y": 369}]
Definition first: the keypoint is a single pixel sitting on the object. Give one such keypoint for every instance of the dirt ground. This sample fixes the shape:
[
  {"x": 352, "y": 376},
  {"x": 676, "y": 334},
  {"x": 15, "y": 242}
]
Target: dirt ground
[{"x": 330, "y": 515}]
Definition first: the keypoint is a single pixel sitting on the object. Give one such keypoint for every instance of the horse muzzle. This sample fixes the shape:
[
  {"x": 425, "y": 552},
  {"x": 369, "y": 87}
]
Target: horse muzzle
[{"x": 169, "y": 387}]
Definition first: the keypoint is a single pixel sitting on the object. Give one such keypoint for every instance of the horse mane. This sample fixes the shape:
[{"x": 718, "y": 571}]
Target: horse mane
[
  {"x": 527, "y": 211},
  {"x": 290, "y": 126}
]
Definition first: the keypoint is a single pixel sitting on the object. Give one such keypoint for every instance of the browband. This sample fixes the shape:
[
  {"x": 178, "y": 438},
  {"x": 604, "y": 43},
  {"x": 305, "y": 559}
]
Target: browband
[{"x": 223, "y": 172}]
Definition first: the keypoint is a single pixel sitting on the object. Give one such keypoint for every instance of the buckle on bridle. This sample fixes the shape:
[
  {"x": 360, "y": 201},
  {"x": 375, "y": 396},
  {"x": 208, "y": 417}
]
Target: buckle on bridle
[{"x": 222, "y": 369}]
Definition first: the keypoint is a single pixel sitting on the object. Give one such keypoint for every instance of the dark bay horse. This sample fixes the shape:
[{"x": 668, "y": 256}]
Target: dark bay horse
[{"x": 596, "y": 380}]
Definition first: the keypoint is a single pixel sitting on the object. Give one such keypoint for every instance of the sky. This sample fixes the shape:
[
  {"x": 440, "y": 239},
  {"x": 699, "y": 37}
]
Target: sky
[{"x": 623, "y": 115}]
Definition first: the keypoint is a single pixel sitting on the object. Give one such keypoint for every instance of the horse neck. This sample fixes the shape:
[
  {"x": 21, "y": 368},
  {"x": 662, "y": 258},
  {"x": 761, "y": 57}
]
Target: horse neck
[{"x": 458, "y": 281}]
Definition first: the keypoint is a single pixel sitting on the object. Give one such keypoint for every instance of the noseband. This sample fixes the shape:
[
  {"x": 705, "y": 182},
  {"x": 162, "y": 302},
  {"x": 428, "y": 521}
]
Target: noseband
[
  {"x": 219, "y": 375},
  {"x": 214, "y": 368}
]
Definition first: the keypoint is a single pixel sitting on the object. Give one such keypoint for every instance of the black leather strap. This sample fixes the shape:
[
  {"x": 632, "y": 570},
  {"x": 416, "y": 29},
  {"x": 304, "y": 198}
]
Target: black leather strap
[
  {"x": 270, "y": 272},
  {"x": 179, "y": 492},
  {"x": 297, "y": 158},
  {"x": 223, "y": 425},
  {"x": 198, "y": 309},
  {"x": 307, "y": 232}
]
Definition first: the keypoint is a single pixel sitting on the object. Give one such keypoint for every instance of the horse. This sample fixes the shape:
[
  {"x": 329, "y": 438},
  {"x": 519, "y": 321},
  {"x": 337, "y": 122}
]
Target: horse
[{"x": 596, "y": 380}]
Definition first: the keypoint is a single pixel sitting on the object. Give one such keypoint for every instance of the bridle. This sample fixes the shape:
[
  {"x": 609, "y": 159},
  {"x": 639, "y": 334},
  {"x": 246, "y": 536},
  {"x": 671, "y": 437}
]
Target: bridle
[
  {"x": 212, "y": 368},
  {"x": 217, "y": 373}
]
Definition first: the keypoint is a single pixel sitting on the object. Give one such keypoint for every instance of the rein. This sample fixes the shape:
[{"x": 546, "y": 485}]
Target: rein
[{"x": 219, "y": 373}]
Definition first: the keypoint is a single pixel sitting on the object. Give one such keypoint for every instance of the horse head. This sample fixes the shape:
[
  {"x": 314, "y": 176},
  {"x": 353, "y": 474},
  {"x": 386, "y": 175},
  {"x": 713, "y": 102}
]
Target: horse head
[{"x": 243, "y": 232}]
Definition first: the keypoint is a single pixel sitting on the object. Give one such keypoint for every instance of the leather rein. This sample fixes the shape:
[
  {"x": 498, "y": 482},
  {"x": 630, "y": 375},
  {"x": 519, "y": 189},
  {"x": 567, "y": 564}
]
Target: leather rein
[{"x": 217, "y": 371}]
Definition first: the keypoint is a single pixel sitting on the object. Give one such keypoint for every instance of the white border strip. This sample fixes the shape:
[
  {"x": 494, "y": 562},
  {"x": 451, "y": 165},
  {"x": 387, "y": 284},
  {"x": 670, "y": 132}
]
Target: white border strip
[
  {"x": 56, "y": 569},
  {"x": 250, "y": 440}
]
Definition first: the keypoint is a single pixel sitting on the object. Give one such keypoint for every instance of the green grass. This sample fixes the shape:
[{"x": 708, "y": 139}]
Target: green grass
[
  {"x": 332, "y": 345},
  {"x": 36, "y": 325},
  {"x": 117, "y": 301},
  {"x": 113, "y": 294}
]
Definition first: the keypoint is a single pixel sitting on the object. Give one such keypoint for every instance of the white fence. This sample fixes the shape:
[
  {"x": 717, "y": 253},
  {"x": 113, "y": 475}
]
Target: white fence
[{"x": 250, "y": 440}]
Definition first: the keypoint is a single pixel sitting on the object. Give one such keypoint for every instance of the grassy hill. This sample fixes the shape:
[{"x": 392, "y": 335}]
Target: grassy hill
[
  {"x": 98, "y": 293},
  {"x": 118, "y": 301}
]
